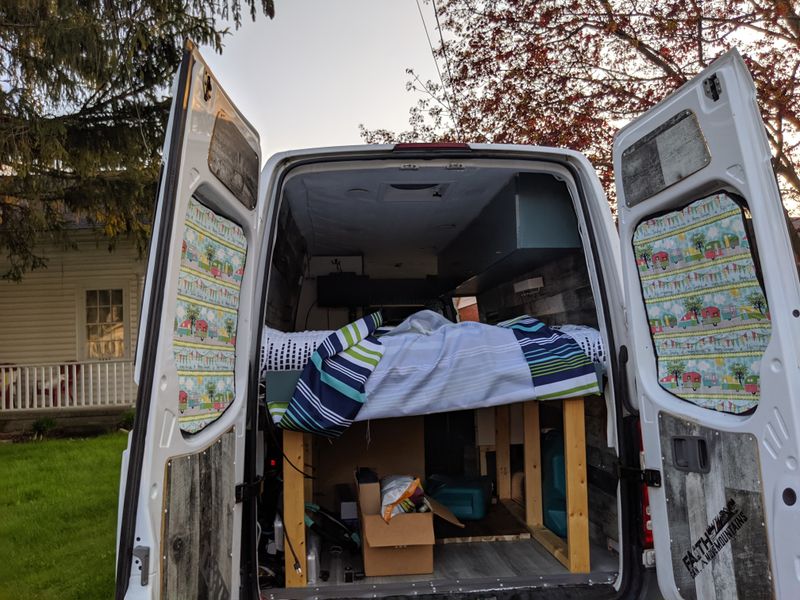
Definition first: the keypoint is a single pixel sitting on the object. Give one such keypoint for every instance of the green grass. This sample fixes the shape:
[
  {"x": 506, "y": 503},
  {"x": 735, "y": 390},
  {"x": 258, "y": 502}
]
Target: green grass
[{"x": 58, "y": 518}]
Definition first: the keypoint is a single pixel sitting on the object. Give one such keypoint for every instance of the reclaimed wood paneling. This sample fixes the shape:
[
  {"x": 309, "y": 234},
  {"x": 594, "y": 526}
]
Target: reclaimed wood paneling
[
  {"x": 199, "y": 500},
  {"x": 716, "y": 519}
]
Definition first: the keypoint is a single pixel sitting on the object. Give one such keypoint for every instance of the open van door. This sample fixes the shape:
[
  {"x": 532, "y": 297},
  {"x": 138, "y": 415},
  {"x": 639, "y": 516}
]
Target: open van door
[
  {"x": 180, "y": 522},
  {"x": 714, "y": 312}
]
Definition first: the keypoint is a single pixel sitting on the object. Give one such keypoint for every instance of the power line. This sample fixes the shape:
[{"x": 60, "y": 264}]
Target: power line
[
  {"x": 454, "y": 102},
  {"x": 436, "y": 63}
]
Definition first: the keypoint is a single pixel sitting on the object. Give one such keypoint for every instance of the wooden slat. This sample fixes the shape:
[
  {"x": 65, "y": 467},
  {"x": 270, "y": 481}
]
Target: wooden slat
[
  {"x": 294, "y": 507},
  {"x": 197, "y": 523},
  {"x": 533, "y": 464},
  {"x": 577, "y": 489},
  {"x": 553, "y": 544},
  {"x": 502, "y": 452}
]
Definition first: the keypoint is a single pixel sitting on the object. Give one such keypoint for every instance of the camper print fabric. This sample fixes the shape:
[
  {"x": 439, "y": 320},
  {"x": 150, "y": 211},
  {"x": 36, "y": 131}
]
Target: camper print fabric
[
  {"x": 206, "y": 314},
  {"x": 708, "y": 314}
]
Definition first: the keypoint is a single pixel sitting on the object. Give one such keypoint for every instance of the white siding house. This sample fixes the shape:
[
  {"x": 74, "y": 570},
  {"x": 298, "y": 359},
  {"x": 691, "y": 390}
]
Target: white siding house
[{"x": 68, "y": 332}]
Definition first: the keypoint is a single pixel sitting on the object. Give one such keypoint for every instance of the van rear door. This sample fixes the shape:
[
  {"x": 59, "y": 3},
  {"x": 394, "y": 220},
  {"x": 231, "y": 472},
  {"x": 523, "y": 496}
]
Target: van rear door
[
  {"x": 180, "y": 520},
  {"x": 714, "y": 310}
]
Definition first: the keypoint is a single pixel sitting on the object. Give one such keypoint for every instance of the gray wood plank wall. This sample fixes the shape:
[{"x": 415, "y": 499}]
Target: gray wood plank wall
[
  {"x": 197, "y": 524},
  {"x": 725, "y": 563}
]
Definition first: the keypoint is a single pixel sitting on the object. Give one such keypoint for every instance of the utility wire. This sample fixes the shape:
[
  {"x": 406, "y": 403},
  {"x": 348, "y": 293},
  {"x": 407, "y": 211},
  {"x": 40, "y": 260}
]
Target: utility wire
[
  {"x": 436, "y": 64},
  {"x": 454, "y": 102}
]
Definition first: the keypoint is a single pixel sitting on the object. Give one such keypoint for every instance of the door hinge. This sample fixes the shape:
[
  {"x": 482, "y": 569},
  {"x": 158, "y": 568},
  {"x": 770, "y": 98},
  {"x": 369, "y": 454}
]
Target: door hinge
[
  {"x": 649, "y": 477},
  {"x": 248, "y": 490},
  {"x": 143, "y": 554}
]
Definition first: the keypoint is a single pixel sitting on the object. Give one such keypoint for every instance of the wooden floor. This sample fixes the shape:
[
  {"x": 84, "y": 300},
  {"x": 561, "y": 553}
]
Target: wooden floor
[{"x": 479, "y": 560}]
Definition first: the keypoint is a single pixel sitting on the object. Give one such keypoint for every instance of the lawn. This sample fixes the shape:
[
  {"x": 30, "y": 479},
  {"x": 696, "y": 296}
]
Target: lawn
[{"x": 58, "y": 518}]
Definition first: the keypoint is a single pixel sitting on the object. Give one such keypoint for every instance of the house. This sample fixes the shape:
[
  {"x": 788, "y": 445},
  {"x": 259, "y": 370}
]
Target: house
[{"x": 68, "y": 331}]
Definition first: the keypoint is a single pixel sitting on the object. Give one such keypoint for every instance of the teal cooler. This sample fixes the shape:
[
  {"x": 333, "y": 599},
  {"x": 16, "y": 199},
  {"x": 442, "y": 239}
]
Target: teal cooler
[
  {"x": 467, "y": 498},
  {"x": 554, "y": 485}
]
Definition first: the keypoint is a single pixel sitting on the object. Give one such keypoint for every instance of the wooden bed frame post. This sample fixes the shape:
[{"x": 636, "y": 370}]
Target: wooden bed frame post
[
  {"x": 533, "y": 464},
  {"x": 577, "y": 487},
  {"x": 294, "y": 512}
]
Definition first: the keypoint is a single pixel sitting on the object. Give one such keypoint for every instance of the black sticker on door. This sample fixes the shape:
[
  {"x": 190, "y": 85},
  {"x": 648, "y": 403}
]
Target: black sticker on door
[{"x": 719, "y": 532}]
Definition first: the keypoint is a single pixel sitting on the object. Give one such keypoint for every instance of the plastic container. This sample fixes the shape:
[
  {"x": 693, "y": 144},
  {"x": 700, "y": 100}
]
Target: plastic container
[
  {"x": 554, "y": 485},
  {"x": 467, "y": 498}
]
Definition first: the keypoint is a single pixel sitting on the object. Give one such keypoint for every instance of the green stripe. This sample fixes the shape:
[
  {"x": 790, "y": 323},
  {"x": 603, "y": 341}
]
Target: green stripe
[
  {"x": 367, "y": 359},
  {"x": 685, "y": 228},
  {"x": 571, "y": 392},
  {"x": 710, "y": 355},
  {"x": 368, "y": 351},
  {"x": 346, "y": 333},
  {"x": 754, "y": 324}
]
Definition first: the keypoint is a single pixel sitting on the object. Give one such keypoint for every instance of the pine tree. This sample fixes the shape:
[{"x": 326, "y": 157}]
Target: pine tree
[{"x": 83, "y": 108}]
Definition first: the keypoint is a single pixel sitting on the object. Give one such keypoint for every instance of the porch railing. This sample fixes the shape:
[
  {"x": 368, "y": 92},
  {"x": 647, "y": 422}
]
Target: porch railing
[{"x": 67, "y": 385}]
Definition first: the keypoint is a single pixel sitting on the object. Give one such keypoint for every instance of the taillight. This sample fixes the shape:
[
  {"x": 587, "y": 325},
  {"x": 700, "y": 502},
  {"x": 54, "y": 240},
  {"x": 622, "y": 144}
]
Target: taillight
[
  {"x": 647, "y": 519},
  {"x": 431, "y": 146}
]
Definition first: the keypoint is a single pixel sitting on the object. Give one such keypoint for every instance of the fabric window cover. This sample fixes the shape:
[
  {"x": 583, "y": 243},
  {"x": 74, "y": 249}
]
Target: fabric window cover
[{"x": 707, "y": 310}]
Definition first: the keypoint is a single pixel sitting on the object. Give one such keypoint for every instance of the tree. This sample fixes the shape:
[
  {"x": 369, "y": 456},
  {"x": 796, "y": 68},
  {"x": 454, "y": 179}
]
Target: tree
[
  {"x": 83, "y": 112},
  {"x": 739, "y": 371},
  {"x": 568, "y": 73},
  {"x": 676, "y": 368},
  {"x": 757, "y": 301},
  {"x": 192, "y": 313},
  {"x": 693, "y": 305},
  {"x": 699, "y": 241},
  {"x": 645, "y": 253}
]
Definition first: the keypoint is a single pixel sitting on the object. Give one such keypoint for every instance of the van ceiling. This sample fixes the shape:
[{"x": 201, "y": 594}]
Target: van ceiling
[{"x": 398, "y": 219}]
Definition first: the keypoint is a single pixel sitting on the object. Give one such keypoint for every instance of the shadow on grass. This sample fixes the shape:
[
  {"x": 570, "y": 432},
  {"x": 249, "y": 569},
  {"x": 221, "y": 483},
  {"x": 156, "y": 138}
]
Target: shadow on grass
[{"x": 58, "y": 502}]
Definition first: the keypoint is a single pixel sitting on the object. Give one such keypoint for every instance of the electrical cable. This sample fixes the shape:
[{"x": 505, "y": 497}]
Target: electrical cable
[
  {"x": 308, "y": 314},
  {"x": 296, "y": 565}
]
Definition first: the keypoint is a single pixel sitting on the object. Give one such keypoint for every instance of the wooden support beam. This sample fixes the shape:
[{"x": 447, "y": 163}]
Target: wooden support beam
[
  {"x": 294, "y": 507},
  {"x": 502, "y": 452},
  {"x": 308, "y": 467},
  {"x": 577, "y": 488},
  {"x": 533, "y": 464}
]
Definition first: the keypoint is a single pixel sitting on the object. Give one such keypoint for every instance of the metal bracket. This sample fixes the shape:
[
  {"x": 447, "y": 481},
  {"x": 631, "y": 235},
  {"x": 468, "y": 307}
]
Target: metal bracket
[
  {"x": 649, "y": 477},
  {"x": 248, "y": 490},
  {"x": 712, "y": 87},
  {"x": 143, "y": 554}
]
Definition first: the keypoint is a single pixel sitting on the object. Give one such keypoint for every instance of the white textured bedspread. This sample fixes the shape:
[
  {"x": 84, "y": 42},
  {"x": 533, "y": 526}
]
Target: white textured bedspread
[{"x": 451, "y": 366}]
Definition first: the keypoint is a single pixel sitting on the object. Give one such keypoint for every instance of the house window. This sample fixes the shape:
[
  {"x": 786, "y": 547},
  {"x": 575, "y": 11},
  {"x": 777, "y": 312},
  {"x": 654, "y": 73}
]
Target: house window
[{"x": 105, "y": 324}]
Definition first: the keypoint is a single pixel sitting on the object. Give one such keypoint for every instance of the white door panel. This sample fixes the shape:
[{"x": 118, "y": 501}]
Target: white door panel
[
  {"x": 703, "y": 233},
  {"x": 179, "y": 524}
]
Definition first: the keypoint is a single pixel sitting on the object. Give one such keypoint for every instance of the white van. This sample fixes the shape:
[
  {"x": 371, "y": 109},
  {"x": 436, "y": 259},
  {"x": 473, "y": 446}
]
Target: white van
[{"x": 681, "y": 467}]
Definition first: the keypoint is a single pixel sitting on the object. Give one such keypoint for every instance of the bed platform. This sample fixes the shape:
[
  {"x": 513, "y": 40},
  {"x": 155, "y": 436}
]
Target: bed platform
[{"x": 573, "y": 553}]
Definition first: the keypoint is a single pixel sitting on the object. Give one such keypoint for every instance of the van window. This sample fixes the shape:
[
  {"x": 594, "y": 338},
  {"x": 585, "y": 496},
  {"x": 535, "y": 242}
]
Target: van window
[
  {"x": 708, "y": 314},
  {"x": 204, "y": 340}
]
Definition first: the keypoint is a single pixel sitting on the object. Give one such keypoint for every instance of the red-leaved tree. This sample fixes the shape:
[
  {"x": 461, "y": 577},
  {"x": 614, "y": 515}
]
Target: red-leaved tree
[{"x": 570, "y": 73}]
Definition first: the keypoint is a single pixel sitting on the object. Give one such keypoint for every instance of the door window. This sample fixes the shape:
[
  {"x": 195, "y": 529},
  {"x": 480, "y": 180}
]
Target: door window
[{"x": 706, "y": 307}]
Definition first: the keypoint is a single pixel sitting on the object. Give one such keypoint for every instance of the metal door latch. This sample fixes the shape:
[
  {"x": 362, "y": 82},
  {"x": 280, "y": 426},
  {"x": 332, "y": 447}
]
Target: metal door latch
[{"x": 143, "y": 554}]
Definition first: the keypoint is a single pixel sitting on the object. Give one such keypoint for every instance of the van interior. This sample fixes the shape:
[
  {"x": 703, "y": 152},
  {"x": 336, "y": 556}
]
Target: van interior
[{"x": 479, "y": 240}]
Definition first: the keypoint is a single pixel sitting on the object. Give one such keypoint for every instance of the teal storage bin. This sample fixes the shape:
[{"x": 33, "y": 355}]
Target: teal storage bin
[
  {"x": 554, "y": 484},
  {"x": 467, "y": 498}
]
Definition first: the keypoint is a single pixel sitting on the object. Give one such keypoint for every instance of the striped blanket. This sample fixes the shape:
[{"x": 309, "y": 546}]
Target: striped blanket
[
  {"x": 559, "y": 367},
  {"x": 428, "y": 365},
  {"x": 330, "y": 392}
]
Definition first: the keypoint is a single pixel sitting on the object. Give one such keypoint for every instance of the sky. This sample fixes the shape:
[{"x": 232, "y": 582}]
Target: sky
[{"x": 309, "y": 77}]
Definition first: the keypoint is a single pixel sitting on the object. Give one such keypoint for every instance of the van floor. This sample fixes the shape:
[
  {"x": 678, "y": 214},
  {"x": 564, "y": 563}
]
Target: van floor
[{"x": 475, "y": 560}]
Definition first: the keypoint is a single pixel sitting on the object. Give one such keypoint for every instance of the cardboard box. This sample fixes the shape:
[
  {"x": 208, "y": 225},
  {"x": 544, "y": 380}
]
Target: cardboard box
[{"x": 404, "y": 545}]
